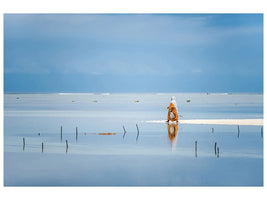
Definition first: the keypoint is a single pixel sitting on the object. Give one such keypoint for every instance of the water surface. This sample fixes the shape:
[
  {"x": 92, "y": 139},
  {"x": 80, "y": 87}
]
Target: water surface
[{"x": 155, "y": 156}]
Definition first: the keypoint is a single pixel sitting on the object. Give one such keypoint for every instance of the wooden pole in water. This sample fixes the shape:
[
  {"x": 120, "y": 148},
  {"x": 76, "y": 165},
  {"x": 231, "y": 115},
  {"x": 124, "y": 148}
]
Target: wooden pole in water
[
  {"x": 124, "y": 131},
  {"x": 217, "y": 152},
  {"x": 42, "y": 147},
  {"x": 61, "y": 133},
  {"x": 195, "y": 148},
  {"x": 212, "y": 130},
  {"x": 238, "y": 131},
  {"x": 67, "y": 146},
  {"x": 76, "y": 133},
  {"x": 137, "y": 132},
  {"x": 23, "y": 144},
  {"x": 215, "y": 147},
  {"x": 261, "y": 131}
]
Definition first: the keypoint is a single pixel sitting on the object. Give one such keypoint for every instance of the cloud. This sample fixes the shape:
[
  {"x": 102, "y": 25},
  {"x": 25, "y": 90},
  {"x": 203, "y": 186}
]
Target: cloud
[
  {"x": 116, "y": 44},
  {"x": 160, "y": 29}
]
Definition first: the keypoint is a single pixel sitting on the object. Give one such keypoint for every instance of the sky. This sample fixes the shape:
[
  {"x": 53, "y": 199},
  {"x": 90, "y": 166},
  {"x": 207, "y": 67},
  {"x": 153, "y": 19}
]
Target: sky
[{"x": 125, "y": 53}]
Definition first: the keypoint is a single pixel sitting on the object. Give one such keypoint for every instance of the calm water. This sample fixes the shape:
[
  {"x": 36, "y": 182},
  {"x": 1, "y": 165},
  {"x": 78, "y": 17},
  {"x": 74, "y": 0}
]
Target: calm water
[{"x": 154, "y": 157}]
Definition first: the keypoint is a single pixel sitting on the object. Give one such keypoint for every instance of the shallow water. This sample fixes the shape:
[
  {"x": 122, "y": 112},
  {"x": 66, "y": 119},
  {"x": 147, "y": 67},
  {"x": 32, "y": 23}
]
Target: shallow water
[{"x": 154, "y": 157}]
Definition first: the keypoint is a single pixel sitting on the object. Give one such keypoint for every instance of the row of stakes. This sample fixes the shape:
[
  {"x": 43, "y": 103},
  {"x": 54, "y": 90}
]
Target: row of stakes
[
  {"x": 67, "y": 144},
  {"x": 216, "y": 149}
]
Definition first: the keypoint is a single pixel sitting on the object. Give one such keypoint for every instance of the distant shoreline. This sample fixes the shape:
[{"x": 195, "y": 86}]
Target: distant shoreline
[{"x": 156, "y": 93}]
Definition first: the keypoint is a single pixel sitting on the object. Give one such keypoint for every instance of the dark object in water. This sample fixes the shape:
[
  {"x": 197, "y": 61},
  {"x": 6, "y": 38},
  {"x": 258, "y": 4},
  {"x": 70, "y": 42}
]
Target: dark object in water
[
  {"x": 217, "y": 152},
  {"x": 76, "y": 133},
  {"x": 61, "y": 133},
  {"x": 188, "y": 100},
  {"x": 124, "y": 132},
  {"x": 42, "y": 147},
  {"x": 238, "y": 131},
  {"x": 23, "y": 144},
  {"x": 136, "y": 101},
  {"x": 212, "y": 130},
  {"x": 39, "y": 134},
  {"x": 137, "y": 132},
  {"x": 215, "y": 146},
  {"x": 261, "y": 131},
  {"x": 67, "y": 146}
]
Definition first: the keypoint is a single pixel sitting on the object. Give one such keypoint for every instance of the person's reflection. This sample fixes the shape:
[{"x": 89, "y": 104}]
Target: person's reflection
[{"x": 172, "y": 133}]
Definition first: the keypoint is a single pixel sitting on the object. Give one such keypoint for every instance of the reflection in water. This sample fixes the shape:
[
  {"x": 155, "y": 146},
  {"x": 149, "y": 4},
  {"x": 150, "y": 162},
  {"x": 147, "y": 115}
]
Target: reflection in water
[
  {"x": 173, "y": 133},
  {"x": 238, "y": 131}
]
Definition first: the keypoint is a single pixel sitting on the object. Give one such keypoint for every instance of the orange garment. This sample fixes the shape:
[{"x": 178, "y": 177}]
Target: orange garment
[{"x": 172, "y": 109}]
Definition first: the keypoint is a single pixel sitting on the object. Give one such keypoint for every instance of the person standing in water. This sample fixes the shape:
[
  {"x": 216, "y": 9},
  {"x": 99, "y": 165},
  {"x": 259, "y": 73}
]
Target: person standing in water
[{"x": 173, "y": 111}]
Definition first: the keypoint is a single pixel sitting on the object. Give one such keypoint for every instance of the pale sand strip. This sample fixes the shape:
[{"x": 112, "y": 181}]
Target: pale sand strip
[{"x": 249, "y": 122}]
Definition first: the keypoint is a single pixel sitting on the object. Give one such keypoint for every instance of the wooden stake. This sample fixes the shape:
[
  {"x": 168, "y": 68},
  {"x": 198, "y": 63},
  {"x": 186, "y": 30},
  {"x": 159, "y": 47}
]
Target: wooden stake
[
  {"x": 215, "y": 147},
  {"x": 61, "y": 133},
  {"x": 23, "y": 144},
  {"x": 124, "y": 132},
  {"x": 42, "y": 147},
  {"x": 67, "y": 146},
  {"x": 76, "y": 133},
  {"x": 137, "y": 132}
]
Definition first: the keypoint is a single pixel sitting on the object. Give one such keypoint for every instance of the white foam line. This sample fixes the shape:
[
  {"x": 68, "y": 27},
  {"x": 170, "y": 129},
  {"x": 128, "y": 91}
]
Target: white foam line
[{"x": 248, "y": 122}]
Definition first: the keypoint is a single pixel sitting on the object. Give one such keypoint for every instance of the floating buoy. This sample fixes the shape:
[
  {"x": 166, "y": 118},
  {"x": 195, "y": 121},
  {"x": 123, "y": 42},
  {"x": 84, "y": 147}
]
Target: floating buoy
[{"x": 188, "y": 100}]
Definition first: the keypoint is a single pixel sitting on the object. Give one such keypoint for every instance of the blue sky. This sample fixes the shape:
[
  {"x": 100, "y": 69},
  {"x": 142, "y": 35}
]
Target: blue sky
[{"x": 133, "y": 53}]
